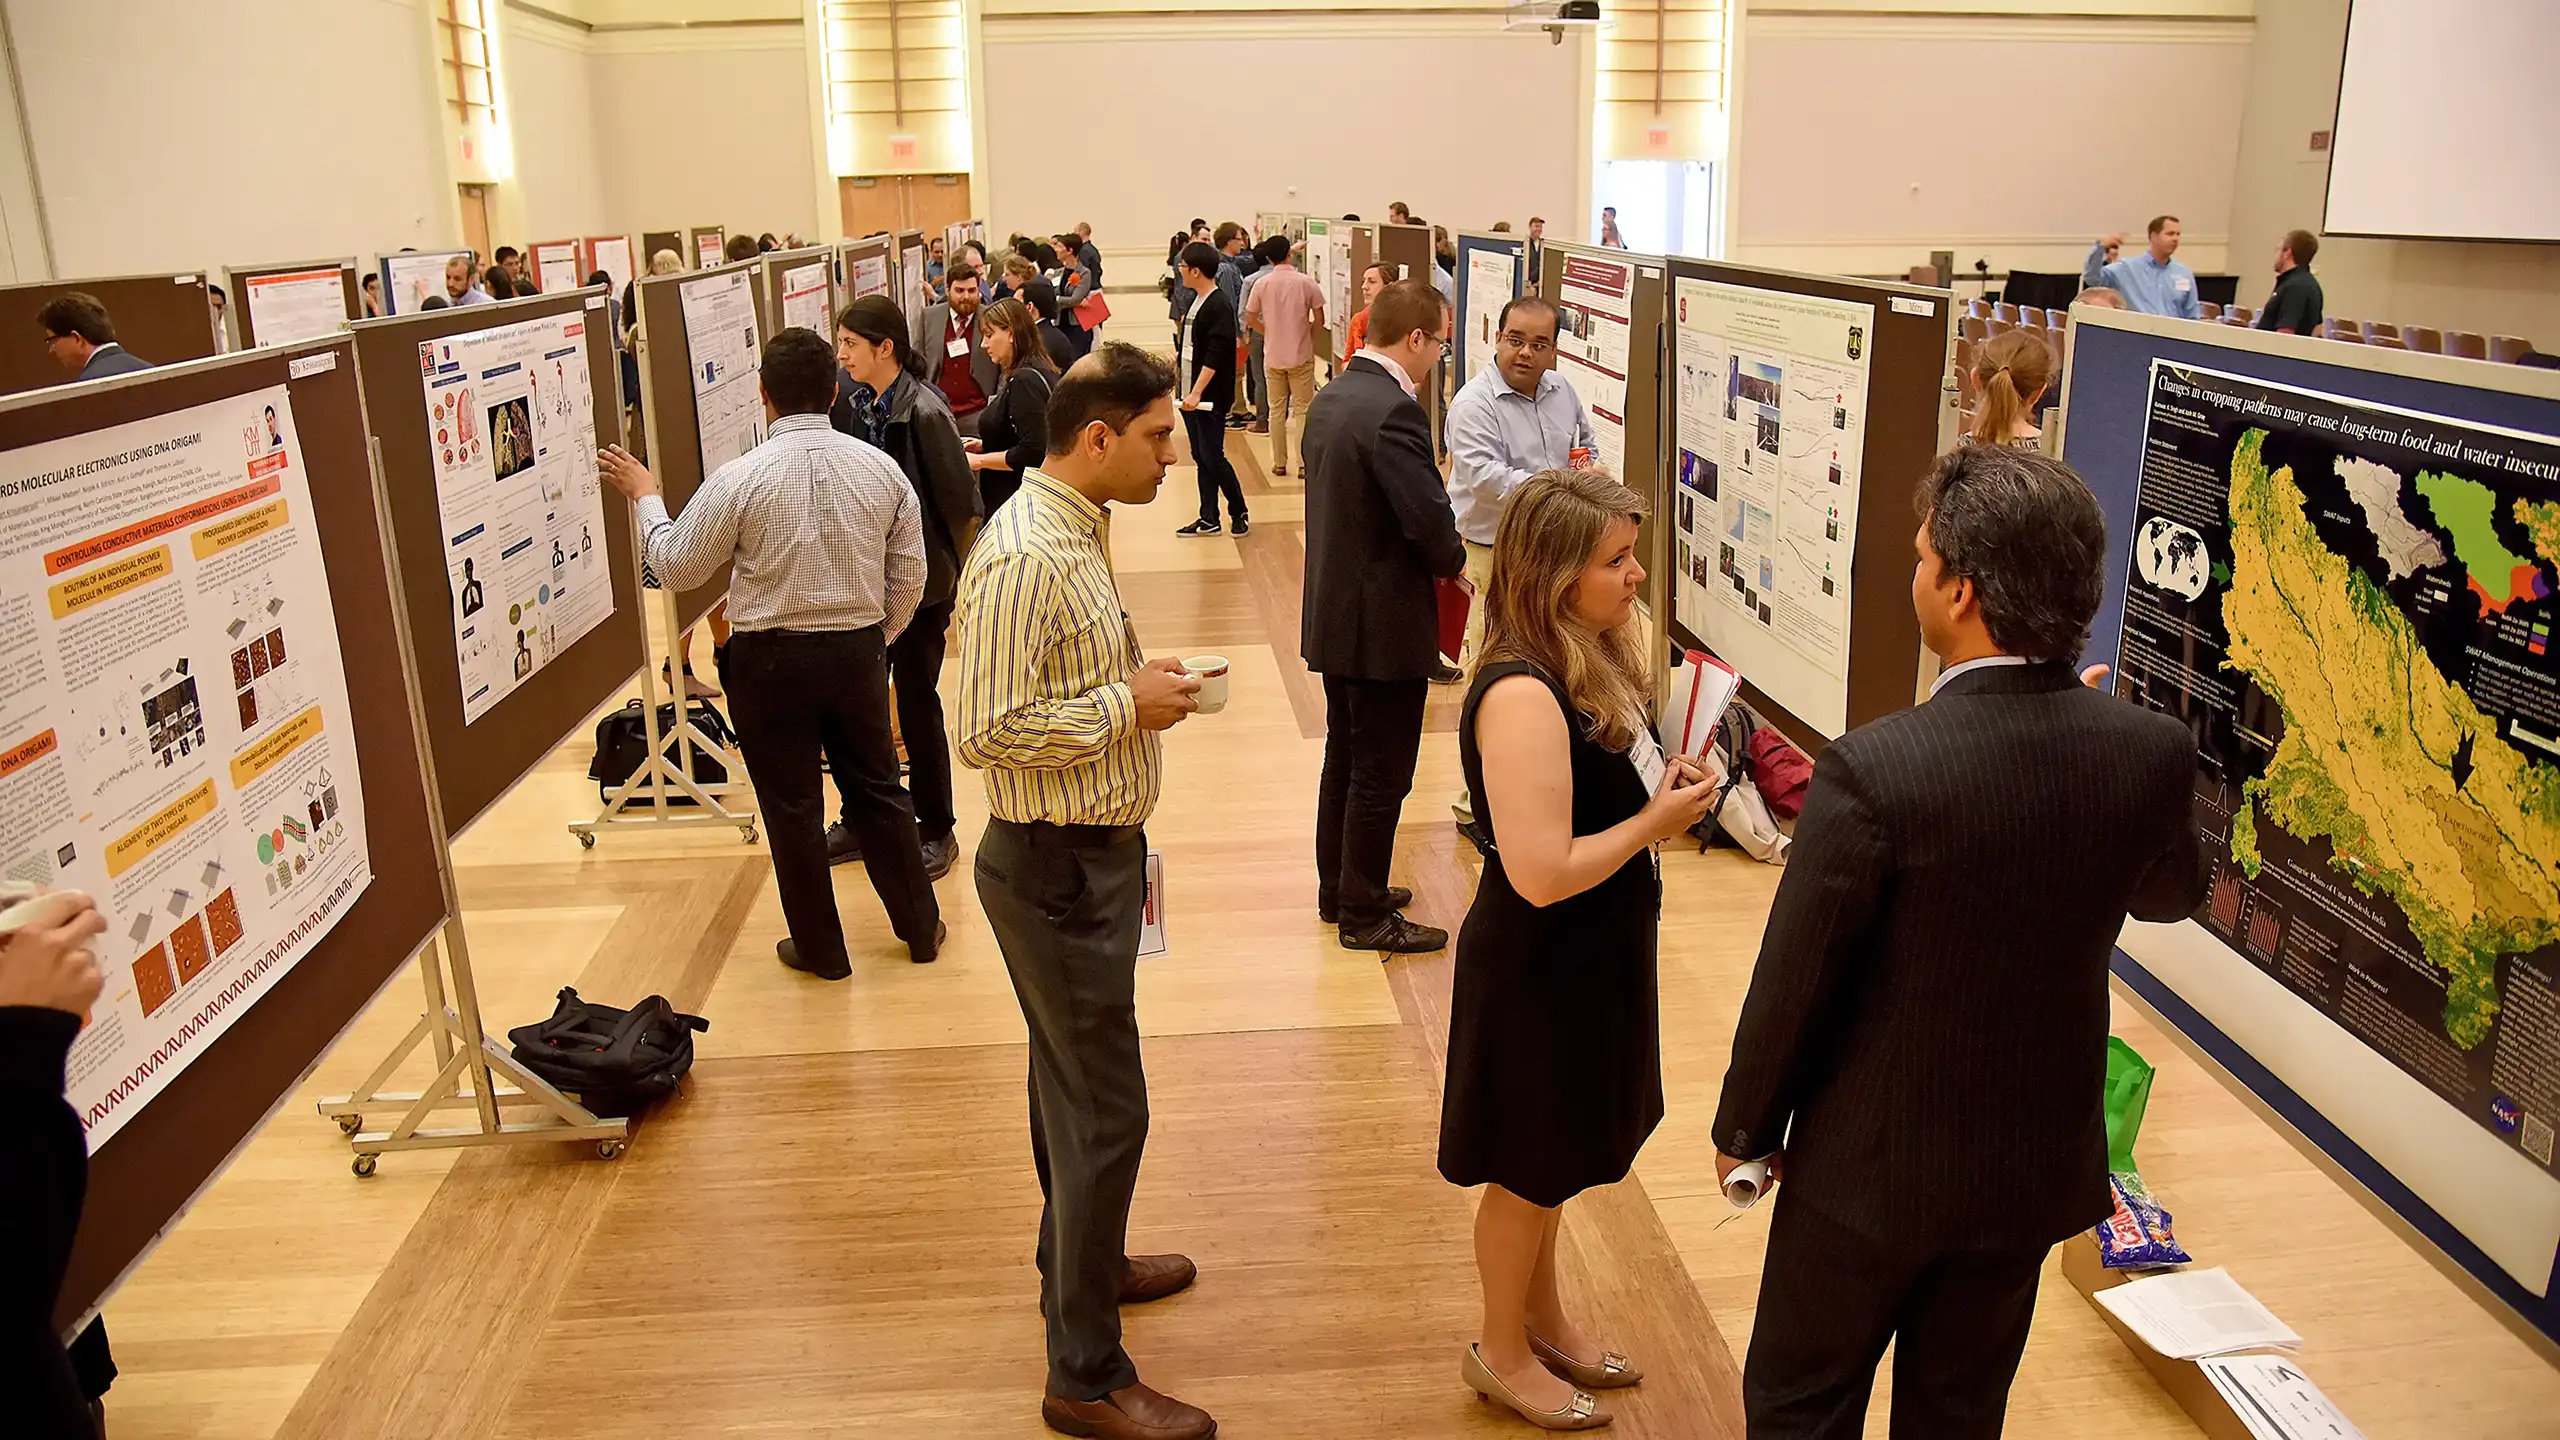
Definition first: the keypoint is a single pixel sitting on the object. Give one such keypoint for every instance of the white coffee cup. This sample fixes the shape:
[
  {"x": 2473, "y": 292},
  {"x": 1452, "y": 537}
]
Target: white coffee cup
[{"x": 1211, "y": 672}]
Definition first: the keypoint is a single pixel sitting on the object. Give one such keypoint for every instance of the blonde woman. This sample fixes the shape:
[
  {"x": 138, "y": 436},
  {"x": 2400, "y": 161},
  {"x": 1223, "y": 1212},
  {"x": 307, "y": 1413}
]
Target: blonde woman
[
  {"x": 2010, "y": 373},
  {"x": 1555, "y": 1073}
]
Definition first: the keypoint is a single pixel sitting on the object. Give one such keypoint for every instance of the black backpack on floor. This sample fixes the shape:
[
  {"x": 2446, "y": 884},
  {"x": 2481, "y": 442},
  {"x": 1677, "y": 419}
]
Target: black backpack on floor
[
  {"x": 622, "y": 742},
  {"x": 614, "y": 1061}
]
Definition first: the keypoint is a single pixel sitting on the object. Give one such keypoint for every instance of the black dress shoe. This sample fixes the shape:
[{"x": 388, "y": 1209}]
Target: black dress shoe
[
  {"x": 843, "y": 846},
  {"x": 932, "y": 952},
  {"x": 790, "y": 953},
  {"x": 1447, "y": 674},
  {"x": 1477, "y": 835},
  {"x": 1329, "y": 911},
  {"x": 1396, "y": 936},
  {"x": 940, "y": 855}
]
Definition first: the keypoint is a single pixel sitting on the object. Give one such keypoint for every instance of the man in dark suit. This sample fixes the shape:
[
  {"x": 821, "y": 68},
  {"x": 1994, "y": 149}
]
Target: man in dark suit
[
  {"x": 1923, "y": 1050},
  {"x": 82, "y": 339},
  {"x": 1379, "y": 530},
  {"x": 949, "y": 348}
]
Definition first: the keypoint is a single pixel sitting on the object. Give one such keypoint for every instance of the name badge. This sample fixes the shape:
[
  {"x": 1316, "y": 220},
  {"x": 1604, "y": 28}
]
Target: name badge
[
  {"x": 956, "y": 347},
  {"x": 2182, "y": 282}
]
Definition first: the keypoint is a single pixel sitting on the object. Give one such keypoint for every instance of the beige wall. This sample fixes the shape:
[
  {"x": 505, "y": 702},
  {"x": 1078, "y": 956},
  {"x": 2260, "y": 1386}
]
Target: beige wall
[
  {"x": 706, "y": 127},
  {"x": 2281, "y": 183},
  {"x": 559, "y": 180}
]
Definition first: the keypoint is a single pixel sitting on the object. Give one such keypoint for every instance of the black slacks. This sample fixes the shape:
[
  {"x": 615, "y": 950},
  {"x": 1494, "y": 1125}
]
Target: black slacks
[
  {"x": 798, "y": 693},
  {"x": 1372, "y": 732},
  {"x": 1207, "y": 430},
  {"x": 915, "y": 667},
  {"x": 1065, "y": 903},
  {"x": 1829, "y": 1300}
]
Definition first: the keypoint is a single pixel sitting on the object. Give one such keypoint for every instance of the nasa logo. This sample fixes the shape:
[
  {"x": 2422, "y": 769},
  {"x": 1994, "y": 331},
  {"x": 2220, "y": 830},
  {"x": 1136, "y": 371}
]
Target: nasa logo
[{"x": 2505, "y": 1114}]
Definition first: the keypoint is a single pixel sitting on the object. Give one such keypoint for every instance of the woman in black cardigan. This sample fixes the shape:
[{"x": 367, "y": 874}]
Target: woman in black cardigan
[{"x": 1013, "y": 431}]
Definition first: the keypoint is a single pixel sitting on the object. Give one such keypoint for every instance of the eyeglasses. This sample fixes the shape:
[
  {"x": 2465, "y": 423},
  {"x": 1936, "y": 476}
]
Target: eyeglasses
[{"x": 1535, "y": 345}]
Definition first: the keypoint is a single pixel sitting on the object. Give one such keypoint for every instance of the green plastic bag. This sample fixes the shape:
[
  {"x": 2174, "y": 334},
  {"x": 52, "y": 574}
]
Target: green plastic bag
[{"x": 2128, "y": 1095}]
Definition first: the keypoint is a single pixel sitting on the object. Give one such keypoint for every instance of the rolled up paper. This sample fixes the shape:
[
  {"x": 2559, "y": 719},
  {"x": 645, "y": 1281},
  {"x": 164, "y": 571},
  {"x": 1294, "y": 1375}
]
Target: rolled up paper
[{"x": 1748, "y": 1182}]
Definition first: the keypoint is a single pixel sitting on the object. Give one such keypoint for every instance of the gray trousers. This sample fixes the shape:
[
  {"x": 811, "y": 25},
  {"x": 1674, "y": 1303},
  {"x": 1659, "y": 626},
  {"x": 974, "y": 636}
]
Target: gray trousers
[{"x": 1065, "y": 903}]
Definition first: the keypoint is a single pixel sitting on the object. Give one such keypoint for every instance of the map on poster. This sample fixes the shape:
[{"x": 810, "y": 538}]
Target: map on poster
[
  {"x": 295, "y": 305},
  {"x": 1592, "y": 307},
  {"x": 721, "y": 343},
  {"x": 1771, "y": 399},
  {"x": 870, "y": 275},
  {"x": 147, "y": 571},
  {"x": 804, "y": 298},
  {"x": 1492, "y": 278},
  {"x": 2352, "y": 607},
  {"x": 512, "y": 426}
]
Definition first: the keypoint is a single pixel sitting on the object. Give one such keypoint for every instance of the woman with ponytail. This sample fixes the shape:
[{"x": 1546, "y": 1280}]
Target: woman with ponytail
[{"x": 2010, "y": 373}]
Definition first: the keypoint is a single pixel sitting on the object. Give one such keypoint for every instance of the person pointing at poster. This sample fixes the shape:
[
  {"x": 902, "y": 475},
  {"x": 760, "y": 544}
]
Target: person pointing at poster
[{"x": 49, "y": 977}]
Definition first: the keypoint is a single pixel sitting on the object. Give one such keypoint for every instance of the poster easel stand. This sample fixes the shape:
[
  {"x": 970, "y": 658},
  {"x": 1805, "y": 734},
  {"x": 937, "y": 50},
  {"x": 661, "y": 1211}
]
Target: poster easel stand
[
  {"x": 663, "y": 791},
  {"x": 473, "y": 1072}
]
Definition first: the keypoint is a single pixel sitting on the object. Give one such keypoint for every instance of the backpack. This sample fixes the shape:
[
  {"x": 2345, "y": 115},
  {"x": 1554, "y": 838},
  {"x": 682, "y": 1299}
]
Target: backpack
[
  {"x": 1743, "y": 817},
  {"x": 622, "y": 742},
  {"x": 1780, "y": 770},
  {"x": 614, "y": 1061}
]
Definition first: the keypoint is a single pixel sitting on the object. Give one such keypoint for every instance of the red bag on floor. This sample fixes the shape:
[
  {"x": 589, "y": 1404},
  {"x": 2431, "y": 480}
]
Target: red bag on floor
[
  {"x": 1453, "y": 616},
  {"x": 1780, "y": 772}
]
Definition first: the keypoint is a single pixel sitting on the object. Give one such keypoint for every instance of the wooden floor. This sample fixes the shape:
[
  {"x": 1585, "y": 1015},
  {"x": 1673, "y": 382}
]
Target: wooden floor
[{"x": 830, "y": 1234}]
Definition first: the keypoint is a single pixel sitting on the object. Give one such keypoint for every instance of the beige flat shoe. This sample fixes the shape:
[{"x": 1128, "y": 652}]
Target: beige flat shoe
[
  {"x": 1583, "y": 1413},
  {"x": 1613, "y": 1372}
]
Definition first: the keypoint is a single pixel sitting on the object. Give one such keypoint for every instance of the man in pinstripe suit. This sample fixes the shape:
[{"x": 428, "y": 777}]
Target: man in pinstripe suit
[{"x": 1923, "y": 1049}]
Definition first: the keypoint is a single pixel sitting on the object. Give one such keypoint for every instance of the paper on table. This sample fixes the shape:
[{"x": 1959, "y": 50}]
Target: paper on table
[
  {"x": 2195, "y": 1313},
  {"x": 2277, "y": 1401}
]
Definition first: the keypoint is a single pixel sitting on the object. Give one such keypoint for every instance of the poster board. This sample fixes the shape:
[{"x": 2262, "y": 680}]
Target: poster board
[
  {"x": 955, "y": 235},
  {"x": 1492, "y": 269},
  {"x": 162, "y": 318},
  {"x": 299, "y": 300},
  {"x": 612, "y": 255},
  {"x": 798, "y": 289},
  {"x": 915, "y": 287},
  {"x": 668, "y": 378},
  {"x": 144, "y": 1176},
  {"x": 671, "y": 241},
  {"x": 1406, "y": 251},
  {"x": 1791, "y": 516},
  {"x": 2364, "y": 530},
  {"x": 1320, "y": 267},
  {"x": 870, "y": 267},
  {"x": 556, "y": 267},
  {"x": 477, "y": 759},
  {"x": 707, "y": 242},
  {"x": 1359, "y": 245},
  {"x": 409, "y": 276}
]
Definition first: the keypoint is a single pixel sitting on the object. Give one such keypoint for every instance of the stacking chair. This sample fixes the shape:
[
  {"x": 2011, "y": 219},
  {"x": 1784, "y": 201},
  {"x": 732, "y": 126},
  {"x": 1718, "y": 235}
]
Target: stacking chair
[
  {"x": 2424, "y": 338},
  {"x": 2207, "y": 310},
  {"x": 2001, "y": 325},
  {"x": 2003, "y": 310},
  {"x": 2240, "y": 313},
  {"x": 2509, "y": 349},
  {"x": 1974, "y": 328},
  {"x": 2339, "y": 328},
  {"x": 2388, "y": 342},
  {"x": 2031, "y": 315},
  {"x": 2466, "y": 344},
  {"x": 2377, "y": 331}
]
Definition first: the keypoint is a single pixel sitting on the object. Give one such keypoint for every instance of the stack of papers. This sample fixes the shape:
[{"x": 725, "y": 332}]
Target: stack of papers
[
  {"x": 2195, "y": 1313},
  {"x": 1702, "y": 687},
  {"x": 2276, "y": 1401}
]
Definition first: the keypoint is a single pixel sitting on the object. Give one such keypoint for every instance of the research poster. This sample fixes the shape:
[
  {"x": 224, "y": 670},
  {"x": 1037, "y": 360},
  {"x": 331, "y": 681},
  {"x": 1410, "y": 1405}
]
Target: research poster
[
  {"x": 174, "y": 736},
  {"x": 555, "y": 266},
  {"x": 707, "y": 249},
  {"x": 1320, "y": 268},
  {"x": 1771, "y": 394},
  {"x": 410, "y": 276},
  {"x": 296, "y": 305},
  {"x": 2351, "y": 607},
  {"x": 612, "y": 255},
  {"x": 1491, "y": 277},
  {"x": 870, "y": 274},
  {"x": 953, "y": 237},
  {"x": 1341, "y": 294},
  {"x": 720, "y": 341},
  {"x": 1592, "y": 308},
  {"x": 804, "y": 298},
  {"x": 917, "y": 285},
  {"x": 511, "y": 420}
]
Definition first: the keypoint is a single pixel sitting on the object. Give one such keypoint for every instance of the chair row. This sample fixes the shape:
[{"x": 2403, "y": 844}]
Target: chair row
[{"x": 1983, "y": 319}]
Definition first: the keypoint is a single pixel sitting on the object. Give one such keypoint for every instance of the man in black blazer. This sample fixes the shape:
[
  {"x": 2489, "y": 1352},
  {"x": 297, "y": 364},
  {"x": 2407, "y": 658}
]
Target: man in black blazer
[
  {"x": 82, "y": 339},
  {"x": 1923, "y": 1050},
  {"x": 1379, "y": 530}
]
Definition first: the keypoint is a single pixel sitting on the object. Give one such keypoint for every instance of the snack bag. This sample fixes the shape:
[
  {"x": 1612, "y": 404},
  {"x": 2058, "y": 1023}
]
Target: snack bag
[{"x": 2137, "y": 1236}]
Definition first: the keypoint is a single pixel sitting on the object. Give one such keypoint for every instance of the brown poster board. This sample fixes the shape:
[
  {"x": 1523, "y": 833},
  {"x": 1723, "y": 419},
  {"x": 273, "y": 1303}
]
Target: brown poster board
[
  {"x": 1406, "y": 252},
  {"x": 703, "y": 246},
  {"x": 915, "y": 287},
  {"x": 666, "y": 383},
  {"x": 671, "y": 241},
  {"x": 148, "y": 1171},
  {"x": 1364, "y": 253},
  {"x": 774, "y": 301},
  {"x": 1906, "y": 358},
  {"x": 477, "y": 762},
  {"x": 613, "y": 255},
  {"x": 241, "y": 281},
  {"x": 161, "y": 318},
  {"x": 858, "y": 256}
]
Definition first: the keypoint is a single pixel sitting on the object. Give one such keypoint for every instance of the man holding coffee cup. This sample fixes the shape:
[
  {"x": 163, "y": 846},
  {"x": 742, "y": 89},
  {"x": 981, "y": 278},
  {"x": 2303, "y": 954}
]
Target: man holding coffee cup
[{"x": 1062, "y": 712}]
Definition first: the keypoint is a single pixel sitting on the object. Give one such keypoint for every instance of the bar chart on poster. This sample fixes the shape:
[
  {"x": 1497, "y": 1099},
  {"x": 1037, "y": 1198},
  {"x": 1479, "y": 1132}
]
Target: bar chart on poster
[
  {"x": 511, "y": 421},
  {"x": 174, "y": 740}
]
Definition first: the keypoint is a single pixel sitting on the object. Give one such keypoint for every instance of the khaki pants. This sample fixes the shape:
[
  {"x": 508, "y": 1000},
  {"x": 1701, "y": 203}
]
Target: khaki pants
[
  {"x": 1479, "y": 575},
  {"x": 1292, "y": 390}
]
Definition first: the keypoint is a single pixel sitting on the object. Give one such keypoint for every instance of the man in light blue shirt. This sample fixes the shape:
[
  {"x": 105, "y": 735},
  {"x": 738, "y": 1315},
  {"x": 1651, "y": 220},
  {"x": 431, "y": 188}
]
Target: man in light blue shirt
[
  {"x": 1516, "y": 418},
  {"x": 2150, "y": 282}
]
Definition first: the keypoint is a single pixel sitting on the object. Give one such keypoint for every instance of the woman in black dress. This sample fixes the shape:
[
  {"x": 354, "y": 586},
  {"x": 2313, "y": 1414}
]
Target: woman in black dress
[
  {"x": 1555, "y": 1073},
  {"x": 1013, "y": 431}
]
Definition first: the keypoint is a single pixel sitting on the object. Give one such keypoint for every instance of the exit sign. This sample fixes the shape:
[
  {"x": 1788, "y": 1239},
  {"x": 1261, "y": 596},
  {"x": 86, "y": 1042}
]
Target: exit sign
[
  {"x": 902, "y": 148},
  {"x": 1657, "y": 137},
  {"x": 2319, "y": 141}
]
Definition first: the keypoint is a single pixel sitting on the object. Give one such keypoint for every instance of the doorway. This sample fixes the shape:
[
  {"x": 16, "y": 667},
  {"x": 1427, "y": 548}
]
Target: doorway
[
  {"x": 475, "y": 220},
  {"x": 877, "y": 204}
]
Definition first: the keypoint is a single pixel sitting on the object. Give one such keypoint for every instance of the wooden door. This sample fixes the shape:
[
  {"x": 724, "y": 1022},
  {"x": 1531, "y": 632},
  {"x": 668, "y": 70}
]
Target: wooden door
[
  {"x": 887, "y": 204},
  {"x": 935, "y": 201},
  {"x": 475, "y": 220}
]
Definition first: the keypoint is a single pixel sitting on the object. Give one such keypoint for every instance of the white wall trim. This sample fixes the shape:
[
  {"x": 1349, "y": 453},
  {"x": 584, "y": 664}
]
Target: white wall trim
[
  {"x": 664, "y": 39},
  {"x": 1209, "y": 25},
  {"x": 2123, "y": 30}
]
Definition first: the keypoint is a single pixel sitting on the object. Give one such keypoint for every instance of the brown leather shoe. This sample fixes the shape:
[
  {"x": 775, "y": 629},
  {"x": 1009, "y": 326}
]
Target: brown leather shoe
[
  {"x": 1134, "y": 1413},
  {"x": 1153, "y": 1277}
]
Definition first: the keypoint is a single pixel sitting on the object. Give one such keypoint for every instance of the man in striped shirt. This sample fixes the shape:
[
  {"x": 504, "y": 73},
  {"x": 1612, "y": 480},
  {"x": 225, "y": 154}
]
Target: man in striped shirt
[
  {"x": 825, "y": 540},
  {"x": 1061, "y": 710}
]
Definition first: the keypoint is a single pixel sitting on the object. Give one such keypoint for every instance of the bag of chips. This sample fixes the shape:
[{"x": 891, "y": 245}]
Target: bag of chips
[{"x": 2137, "y": 1236}]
